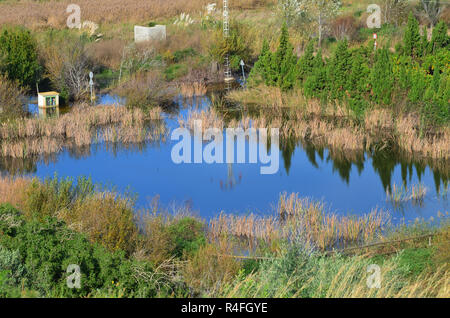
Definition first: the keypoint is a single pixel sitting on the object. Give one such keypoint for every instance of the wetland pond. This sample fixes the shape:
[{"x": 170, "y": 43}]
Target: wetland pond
[{"x": 346, "y": 186}]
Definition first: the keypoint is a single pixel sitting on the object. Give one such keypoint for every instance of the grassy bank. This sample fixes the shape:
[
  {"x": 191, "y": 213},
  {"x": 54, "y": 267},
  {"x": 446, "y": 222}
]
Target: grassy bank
[{"x": 155, "y": 252}]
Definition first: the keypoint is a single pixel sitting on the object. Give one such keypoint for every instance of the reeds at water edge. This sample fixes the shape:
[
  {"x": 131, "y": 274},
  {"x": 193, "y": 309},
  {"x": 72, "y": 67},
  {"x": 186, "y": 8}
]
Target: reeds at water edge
[
  {"x": 302, "y": 217},
  {"x": 83, "y": 126},
  {"x": 191, "y": 89},
  {"x": 399, "y": 195}
]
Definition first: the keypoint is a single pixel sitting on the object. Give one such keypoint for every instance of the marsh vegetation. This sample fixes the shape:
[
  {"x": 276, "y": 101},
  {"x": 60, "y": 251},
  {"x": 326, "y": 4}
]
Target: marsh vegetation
[{"x": 364, "y": 138}]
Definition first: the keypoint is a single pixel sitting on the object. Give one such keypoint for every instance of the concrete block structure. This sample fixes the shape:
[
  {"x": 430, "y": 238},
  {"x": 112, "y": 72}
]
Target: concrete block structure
[{"x": 143, "y": 34}]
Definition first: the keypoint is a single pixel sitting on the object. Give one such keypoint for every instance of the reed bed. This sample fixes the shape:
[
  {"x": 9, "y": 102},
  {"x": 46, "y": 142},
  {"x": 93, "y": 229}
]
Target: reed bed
[
  {"x": 302, "y": 217},
  {"x": 83, "y": 126},
  {"x": 53, "y": 13},
  {"x": 411, "y": 139},
  {"x": 398, "y": 195},
  {"x": 209, "y": 118},
  {"x": 336, "y": 126},
  {"x": 196, "y": 88}
]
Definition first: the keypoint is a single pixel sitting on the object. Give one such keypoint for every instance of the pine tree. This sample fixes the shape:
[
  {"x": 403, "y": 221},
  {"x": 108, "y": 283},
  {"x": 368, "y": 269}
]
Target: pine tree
[
  {"x": 358, "y": 81},
  {"x": 425, "y": 45},
  {"x": 283, "y": 62},
  {"x": 381, "y": 78},
  {"x": 306, "y": 62},
  {"x": 340, "y": 70},
  {"x": 358, "y": 78},
  {"x": 316, "y": 84},
  {"x": 439, "y": 38},
  {"x": 412, "y": 37},
  {"x": 259, "y": 72}
]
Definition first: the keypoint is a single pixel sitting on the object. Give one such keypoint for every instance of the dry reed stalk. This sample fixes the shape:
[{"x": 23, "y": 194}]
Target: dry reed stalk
[
  {"x": 196, "y": 88},
  {"x": 209, "y": 118},
  {"x": 53, "y": 13},
  {"x": 12, "y": 190},
  {"x": 35, "y": 136}
]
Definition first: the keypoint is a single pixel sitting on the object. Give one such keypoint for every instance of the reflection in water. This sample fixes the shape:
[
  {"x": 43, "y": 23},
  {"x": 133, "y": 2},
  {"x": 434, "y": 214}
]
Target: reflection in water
[
  {"x": 383, "y": 163},
  {"x": 308, "y": 168}
]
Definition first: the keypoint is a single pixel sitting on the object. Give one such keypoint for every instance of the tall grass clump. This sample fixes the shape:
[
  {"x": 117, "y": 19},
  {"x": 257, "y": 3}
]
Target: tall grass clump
[
  {"x": 11, "y": 100},
  {"x": 298, "y": 272},
  {"x": 399, "y": 195},
  {"x": 104, "y": 216},
  {"x": 86, "y": 125}
]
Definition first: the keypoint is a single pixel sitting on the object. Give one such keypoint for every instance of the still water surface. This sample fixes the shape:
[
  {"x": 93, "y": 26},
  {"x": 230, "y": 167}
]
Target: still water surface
[{"x": 346, "y": 187}]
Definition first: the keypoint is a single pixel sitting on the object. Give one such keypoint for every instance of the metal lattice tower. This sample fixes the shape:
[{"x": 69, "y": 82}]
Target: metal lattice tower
[{"x": 226, "y": 34}]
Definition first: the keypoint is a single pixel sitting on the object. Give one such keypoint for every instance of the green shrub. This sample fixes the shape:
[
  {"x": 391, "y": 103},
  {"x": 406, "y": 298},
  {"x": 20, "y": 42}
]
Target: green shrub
[
  {"x": 180, "y": 55},
  {"x": 187, "y": 234},
  {"x": 18, "y": 56},
  {"x": 36, "y": 254},
  {"x": 175, "y": 71},
  {"x": 413, "y": 262}
]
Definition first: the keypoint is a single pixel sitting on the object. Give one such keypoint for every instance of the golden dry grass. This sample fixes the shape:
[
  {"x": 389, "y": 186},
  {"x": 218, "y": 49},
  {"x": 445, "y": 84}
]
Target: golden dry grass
[
  {"x": 83, "y": 126},
  {"x": 334, "y": 127},
  {"x": 305, "y": 218},
  {"x": 52, "y": 13}
]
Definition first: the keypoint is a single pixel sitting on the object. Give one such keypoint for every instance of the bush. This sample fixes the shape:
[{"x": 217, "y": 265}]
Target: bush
[
  {"x": 18, "y": 56},
  {"x": 344, "y": 28},
  {"x": 36, "y": 254},
  {"x": 236, "y": 46},
  {"x": 146, "y": 90},
  {"x": 106, "y": 218},
  {"x": 188, "y": 236},
  {"x": 11, "y": 104}
]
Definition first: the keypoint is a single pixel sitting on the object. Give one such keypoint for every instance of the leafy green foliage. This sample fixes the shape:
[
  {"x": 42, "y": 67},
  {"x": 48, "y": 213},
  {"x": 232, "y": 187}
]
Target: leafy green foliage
[
  {"x": 235, "y": 46},
  {"x": 36, "y": 254},
  {"x": 18, "y": 56},
  {"x": 187, "y": 234}
]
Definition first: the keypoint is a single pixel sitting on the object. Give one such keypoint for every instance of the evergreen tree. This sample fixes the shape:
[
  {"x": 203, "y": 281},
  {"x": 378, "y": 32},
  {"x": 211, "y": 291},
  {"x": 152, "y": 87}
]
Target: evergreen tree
[
  {"x": 306, "y": 62},
  {"x": 382, "y": 77},
  {"x": 316, "y": 84},
  {"x": 439, "y": 38},
  {"x": 340, "y": 70},
  {"x": 358, "y": 78},
  {"x": 358, "y": 83},
  {"x": 412, "y": 37},
  {"x": 259, "y": 72},
  {"x": 425, "y": 45},
  {"x": 283, "y": 62}
]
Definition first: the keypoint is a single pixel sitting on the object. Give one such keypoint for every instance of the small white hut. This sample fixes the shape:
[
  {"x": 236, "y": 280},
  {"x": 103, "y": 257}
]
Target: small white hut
[{"x": 48, "y": 103}]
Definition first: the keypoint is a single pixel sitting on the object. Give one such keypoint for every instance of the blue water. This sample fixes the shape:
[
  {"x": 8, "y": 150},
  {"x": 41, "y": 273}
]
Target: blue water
[{"x": 240, "y": 188}]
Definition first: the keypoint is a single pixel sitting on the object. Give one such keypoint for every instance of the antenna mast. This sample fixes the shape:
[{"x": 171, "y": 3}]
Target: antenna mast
[{"x": 226, "y": 34}]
